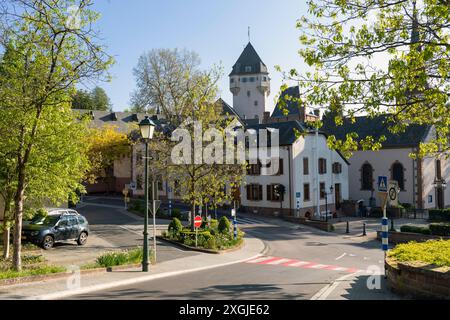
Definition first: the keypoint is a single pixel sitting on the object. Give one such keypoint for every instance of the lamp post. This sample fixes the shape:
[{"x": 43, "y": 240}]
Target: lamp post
[
  {"x": 147, "y": 128},
  {"x": 326, "y": 202}
]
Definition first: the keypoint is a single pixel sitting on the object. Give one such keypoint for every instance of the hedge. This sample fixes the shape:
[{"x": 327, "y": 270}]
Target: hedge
[
  {"x": 416, "y": 229},
  {"x": 431, "y": 252},
  {"x": 440, "y": 229},
  {"x": 439, "y": 215}
]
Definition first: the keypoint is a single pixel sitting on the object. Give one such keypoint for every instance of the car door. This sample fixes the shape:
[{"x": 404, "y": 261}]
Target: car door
[
  {"x": 74, "y": 228},
  {"x": 62, "y": 229}
]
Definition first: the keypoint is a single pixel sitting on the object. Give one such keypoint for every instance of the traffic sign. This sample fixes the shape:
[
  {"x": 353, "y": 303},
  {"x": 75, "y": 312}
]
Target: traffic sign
[
  {"x": 198, "y": 222},
  {"x": 133, "y": 186},
  {"x": 233, "y": 212},
  {"x": 298, "y": 195},
  {"x": 382, "y": 184}
]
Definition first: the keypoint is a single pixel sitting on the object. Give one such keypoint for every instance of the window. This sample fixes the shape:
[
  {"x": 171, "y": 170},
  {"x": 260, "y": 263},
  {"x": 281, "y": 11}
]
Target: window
[
  {"x": 272, "y": 194},
  {"x": 264, "y": 78},
  {"x": 280, "y": 167},
  {"x": 73, "y": 221},
  {"x": 367, "y": 177},
  {"x": 81, "y": 220},
  {"x": 305, "y": 166},
  {"x": 306, "y": 192},
  {"x": 232, "y": 80},
  {"x": 398, "y": 174},
  {"x": 254, "y": 192},
  {"x": 322, "y": 190},
  {"x": 249, "y": 93},
  {"x": 248, "y": 69},
  {"x": 256, "y": 103},
  {"x": 337, "y": 168},
  {"x": 438, "y": 169},
  {"x": 244, "y": 79},
  {"x": 252, "y": 79},
  {"x": 160, "y": 185},
  {"x": 64, "y": 222},
  {"x": 254, "y": 169},
  {"x": 322, "y": 166}
]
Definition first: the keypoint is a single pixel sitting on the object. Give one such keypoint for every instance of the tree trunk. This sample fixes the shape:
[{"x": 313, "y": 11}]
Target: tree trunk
[
  {"x": 18, "y": 201},
  {"x": 6, "y": 240}
]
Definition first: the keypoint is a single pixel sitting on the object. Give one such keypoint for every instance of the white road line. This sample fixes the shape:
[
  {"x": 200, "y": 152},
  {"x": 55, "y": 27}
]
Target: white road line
[
  {"x": 280, "y": 261},
  {"x": 340, "y": 257},
  {"x": 298, "y": 264},
  {"x": 319, "y": 266},
  {"x": 260, "y": 260},
  {"x": 339, "y": 269},
  {"x": 325, "y": 292}
]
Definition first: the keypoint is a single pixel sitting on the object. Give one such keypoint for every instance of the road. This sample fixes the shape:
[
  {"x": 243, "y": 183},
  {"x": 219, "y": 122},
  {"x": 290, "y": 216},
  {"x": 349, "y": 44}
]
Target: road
[{"x": 299, "y": 263}]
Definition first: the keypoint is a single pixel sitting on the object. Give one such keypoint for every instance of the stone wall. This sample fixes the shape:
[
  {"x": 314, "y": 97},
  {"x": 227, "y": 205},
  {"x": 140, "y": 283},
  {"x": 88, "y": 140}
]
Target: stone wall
[
  {"x": 322, "y": 225},
  {"x": 405, "y": 237},
  {"x": 418, "y": 281}
]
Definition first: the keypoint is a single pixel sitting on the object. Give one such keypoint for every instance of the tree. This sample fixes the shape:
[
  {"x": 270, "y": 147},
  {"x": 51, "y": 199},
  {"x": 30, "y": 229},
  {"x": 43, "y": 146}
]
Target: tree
[
  {"x": 386, "y": 57},
  {"x": 46, "y": 56},
  {"x": 105, "y": 145},
  {"x": 163, "y": 79},
  {"x": 97, "y": 99}
]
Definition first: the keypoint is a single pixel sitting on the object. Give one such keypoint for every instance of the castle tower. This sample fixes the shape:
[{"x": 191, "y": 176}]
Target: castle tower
[{"x": 250, "y": 85}]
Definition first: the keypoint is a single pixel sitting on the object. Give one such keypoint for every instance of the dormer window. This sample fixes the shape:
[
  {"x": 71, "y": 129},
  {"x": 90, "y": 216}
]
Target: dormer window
[
  {"x": 248, "y": 69},
  {"x": 232, "y": 80}
]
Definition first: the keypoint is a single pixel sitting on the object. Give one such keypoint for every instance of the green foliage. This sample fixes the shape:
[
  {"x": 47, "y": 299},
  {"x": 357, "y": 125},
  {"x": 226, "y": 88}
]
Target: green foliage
[
  {"x": 224, "y": 225},
  {"x": 416, "y": 229},
  {"x": 440, "y": 229},
  {"x": 176, "y": 213},
  {"x": 28, "y": 272},
  {"x": 97, "y": 99},
  {"x": 112, "y": 259},
  {"x": 175, "y": 227},
  {"x": 440, "y": 215},
  {"x": 343, "y": 42},
  {"x": 433, "y": 252}
]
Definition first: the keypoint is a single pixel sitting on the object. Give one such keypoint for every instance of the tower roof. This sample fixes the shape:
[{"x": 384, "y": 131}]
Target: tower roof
[{"x": 249, "y": 62}]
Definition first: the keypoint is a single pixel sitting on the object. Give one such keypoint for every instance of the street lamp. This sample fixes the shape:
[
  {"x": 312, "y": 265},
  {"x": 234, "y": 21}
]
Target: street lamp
[
  {"x": 326, "y": 202},
  {"x": 147, "y": 128}
]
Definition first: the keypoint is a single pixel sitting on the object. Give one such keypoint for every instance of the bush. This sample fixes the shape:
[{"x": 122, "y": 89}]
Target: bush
[
  {"x": 176, "y": 213},
  {"x": 175, "y": 227},
  {"x": 112, "y": 259},
  {"x": 440, "y": 215},
  {"x": 436, "y": 252},
  {"x": 440, "y": 229},
  {"x": 224, "y": 225},
  {"x": 416, "y": 229}
]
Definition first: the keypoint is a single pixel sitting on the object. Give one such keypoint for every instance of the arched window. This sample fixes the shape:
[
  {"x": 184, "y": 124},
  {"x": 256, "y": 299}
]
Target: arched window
[
  {"x": 398, "y": 174},
  {"x": 367, "y": 177}
]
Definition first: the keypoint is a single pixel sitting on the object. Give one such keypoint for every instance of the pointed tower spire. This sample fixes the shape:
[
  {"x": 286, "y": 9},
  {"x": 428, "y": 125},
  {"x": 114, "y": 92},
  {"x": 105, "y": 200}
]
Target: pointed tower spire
[{"x": 415, "y": 33}]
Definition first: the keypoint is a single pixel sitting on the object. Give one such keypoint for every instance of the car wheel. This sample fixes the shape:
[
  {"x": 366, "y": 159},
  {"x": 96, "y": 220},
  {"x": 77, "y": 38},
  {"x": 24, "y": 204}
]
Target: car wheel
[
  {"x": 82, "y": 239},
  {"x": 48, "y": 242}
]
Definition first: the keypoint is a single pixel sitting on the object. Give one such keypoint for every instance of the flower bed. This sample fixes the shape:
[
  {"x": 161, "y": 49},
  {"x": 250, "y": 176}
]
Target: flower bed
[{"x": 215, "y": 236}]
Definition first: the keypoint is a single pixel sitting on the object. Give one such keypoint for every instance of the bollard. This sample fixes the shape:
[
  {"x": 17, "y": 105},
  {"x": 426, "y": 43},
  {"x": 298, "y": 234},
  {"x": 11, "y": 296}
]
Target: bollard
[
  {"x": 364, "y": 230},
  {"x": 392, "y": 225},
  {"x": 348, "y": 228}
]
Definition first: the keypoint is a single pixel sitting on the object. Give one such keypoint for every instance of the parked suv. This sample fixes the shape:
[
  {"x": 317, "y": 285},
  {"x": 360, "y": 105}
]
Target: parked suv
[{"x": 58, "y": 225}]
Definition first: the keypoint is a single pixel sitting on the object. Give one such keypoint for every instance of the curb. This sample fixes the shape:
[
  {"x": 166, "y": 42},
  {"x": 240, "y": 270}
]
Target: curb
[
  {"x": 61, "y": 275},
  {"x": 66, "y": 294},
  {"x": 181, "y": 245}
]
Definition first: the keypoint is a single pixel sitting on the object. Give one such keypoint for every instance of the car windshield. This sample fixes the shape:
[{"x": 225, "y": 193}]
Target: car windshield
[{"x": 45, "y": 221}]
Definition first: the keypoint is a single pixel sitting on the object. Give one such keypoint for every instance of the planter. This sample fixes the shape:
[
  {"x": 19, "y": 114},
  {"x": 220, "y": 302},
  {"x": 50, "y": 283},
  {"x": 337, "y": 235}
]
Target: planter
[
  {"x": 418, "y": 280},
  {"x": 203, "y": 250}
]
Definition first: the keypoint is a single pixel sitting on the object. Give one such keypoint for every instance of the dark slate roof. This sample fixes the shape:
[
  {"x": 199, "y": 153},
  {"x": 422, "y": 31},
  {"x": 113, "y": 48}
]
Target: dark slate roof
[
  {"x": 376, "y": 127},
  {"x": 291, "y": 106},
  {"x": 228, "y": 110},
  {"x": 249, "y": 58},
  {"x": 286, "y": 129}
]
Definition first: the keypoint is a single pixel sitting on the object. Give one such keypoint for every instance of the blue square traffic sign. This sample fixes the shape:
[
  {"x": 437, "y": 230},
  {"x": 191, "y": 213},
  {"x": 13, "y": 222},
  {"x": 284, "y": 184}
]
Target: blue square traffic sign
[{"x": 382, "y": 184}]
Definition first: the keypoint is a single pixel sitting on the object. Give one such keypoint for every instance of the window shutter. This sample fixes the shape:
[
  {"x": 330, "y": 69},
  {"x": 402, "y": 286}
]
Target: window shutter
[
  {"x": 269, "y": 192},
  {"x": 249, "y": 196},
  {"x": 260, "y": 192},
  {"x": 281, "y": 170}
]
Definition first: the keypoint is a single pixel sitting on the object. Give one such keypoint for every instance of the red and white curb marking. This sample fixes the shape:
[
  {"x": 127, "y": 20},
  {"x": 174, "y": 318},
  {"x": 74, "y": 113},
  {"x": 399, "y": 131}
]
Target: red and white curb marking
[{"x": 273, "y": 261}]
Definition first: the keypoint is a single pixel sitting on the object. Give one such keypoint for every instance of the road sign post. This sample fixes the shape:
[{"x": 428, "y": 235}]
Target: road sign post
[
  {"x": 197, "y": 224},
  {"x": 383, "y": 191}
]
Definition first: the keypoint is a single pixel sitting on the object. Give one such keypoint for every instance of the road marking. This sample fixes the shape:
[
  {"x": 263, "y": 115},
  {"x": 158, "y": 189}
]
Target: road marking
[
  {"x": 319, "y": 266},
  {"x": 279, "y": 261},
  {"x": 261, "y": 259},
  {"x": 297, "y": 264},
  {"x": 340, "y": 257},
  {"x": 325, "y": 292}
]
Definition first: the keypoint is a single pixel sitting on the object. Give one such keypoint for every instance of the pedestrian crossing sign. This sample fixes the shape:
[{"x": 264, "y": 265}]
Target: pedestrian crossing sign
[{"x": 382, "y": 184}]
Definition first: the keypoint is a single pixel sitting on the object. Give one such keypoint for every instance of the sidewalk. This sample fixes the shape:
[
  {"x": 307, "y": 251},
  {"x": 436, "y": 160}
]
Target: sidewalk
[{"x": 75, "y": 284}]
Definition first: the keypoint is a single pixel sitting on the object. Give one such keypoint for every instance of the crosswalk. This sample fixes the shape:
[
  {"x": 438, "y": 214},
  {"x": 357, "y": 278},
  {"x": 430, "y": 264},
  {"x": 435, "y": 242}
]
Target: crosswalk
[{"x": 292, "y": 263}]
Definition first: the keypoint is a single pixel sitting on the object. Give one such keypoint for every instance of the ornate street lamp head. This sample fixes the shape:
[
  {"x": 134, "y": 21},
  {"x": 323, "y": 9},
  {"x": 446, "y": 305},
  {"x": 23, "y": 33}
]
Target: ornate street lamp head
[{"x": 147, "y": 127}]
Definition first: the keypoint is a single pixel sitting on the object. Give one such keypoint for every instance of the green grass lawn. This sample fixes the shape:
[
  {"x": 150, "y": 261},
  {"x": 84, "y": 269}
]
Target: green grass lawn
[{"x": 436, "y": 252}]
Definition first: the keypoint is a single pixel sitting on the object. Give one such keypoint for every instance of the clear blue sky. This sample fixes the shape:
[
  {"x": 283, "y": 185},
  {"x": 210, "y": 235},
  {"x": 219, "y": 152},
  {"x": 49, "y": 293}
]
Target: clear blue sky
[{"x": 215, "y": 29}]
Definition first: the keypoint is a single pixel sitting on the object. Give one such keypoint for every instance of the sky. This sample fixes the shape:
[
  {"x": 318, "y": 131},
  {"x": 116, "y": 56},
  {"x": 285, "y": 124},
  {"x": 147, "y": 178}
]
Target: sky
[{"x": 216, "y": 29}]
